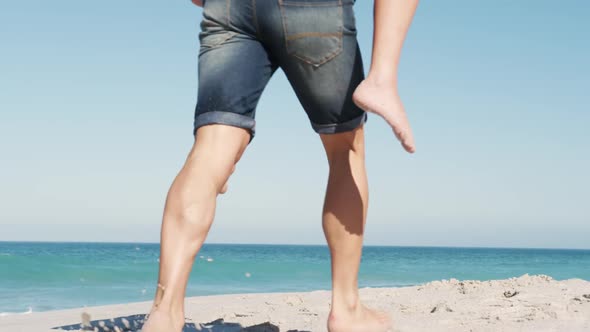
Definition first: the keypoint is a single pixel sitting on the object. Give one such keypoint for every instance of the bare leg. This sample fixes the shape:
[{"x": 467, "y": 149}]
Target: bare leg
[
  {"x": 344, "y": 216},
  {"x": 378, "y": 93},
  {"x": 188, "y": 215}
]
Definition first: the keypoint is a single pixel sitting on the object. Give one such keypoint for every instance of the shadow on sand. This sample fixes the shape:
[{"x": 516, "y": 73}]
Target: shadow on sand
[{"x": 134, "y": 323}]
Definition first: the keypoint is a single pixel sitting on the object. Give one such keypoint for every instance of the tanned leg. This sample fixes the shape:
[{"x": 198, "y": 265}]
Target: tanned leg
[
  {"x": 188, "y": 215},
  {"x": 344, "y": 216}
]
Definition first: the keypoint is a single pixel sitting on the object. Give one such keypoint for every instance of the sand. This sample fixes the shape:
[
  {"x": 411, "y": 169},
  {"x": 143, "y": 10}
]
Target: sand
[{"x": 527, "y": 303}]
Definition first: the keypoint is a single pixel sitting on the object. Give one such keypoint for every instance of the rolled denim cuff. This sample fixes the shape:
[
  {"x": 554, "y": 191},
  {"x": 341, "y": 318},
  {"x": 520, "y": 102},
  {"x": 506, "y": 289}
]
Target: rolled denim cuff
[
  {"x": 225, "y": 118},
  {"x": 335, "y": 128}
]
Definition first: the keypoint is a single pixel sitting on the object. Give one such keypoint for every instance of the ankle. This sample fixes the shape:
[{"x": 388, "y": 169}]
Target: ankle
[
  {"x": 381, "y": 80},
  {"x": 166, "y": 301},
  {"x": 176, "y": 316},
  {"x": 169, "y": 309},
  {"x": 346, "y": 303}
]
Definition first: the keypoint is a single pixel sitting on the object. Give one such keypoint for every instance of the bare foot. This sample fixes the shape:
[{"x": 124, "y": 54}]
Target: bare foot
[
  {"x": 159, "y": 321},
  {"x": 383, "y": 100},
  {"x": 361, "y": 320}
]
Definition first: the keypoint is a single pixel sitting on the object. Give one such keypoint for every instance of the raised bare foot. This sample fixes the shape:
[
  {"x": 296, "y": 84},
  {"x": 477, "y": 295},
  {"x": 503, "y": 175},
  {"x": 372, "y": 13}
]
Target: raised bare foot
[
  {"x": 383, "y": 100},
  {"x": 159, "y": 321},
  {"x": 362, "y": 319}
]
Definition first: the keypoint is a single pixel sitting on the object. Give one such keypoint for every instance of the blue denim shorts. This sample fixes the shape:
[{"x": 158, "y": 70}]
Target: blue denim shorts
[{"x": 243, "y": 42}]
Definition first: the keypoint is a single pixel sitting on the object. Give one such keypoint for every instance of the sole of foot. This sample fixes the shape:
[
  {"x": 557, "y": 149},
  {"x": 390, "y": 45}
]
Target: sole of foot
[{"x": 384, "y": 101}]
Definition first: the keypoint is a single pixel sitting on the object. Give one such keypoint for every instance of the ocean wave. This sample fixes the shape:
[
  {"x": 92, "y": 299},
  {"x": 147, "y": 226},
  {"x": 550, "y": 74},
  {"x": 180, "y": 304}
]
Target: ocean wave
[
  {"x": 5, "y": 254},
  {"x": 30, "y": 311}
]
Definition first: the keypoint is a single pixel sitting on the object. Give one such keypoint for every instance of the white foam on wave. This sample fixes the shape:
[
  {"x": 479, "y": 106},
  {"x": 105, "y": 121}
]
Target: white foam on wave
[
  {"x": 5, "y": 254},
  {"x": 30, "y": 311}
]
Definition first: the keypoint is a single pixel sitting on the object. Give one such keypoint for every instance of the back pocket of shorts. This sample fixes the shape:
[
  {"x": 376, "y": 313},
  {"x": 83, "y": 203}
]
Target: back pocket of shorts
[{"x": 312, "y": 29}]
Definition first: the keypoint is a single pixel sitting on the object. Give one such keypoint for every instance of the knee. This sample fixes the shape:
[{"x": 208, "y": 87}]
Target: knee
[
  {"x": 344, "y": 148},
  {"x": 207, "y": 174}
]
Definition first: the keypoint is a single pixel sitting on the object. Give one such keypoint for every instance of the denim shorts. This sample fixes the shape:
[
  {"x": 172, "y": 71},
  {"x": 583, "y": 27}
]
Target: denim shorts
[{"x": 243, "y": 42}]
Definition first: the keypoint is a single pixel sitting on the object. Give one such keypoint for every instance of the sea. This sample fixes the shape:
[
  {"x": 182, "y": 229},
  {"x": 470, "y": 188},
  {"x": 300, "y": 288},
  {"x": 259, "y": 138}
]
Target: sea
[{"x": 42, "y": 276}]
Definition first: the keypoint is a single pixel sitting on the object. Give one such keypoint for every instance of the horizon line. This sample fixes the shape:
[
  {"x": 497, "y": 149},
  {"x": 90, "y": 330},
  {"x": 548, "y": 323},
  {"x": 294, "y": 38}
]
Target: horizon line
[{"x": 301, "y": 244}]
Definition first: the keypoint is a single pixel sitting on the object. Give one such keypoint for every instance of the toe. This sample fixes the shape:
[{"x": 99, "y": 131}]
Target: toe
[
  {"x": 409, "y": 147},
  {"x": 409, "y": 144}
]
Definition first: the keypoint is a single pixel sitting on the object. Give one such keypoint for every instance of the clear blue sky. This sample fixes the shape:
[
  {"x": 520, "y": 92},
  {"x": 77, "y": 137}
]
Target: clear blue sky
[{"x": 96, "y": 112}]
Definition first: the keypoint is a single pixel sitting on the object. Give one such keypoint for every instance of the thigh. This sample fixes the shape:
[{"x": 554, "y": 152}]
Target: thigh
[{"x": 322, "y": 60}]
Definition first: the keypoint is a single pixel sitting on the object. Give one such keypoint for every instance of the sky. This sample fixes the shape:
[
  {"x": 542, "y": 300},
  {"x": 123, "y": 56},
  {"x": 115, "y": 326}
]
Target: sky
[{"x": 96, "y": 112}]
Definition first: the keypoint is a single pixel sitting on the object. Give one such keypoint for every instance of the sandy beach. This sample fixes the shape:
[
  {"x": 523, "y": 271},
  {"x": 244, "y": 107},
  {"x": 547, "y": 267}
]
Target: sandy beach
[{"x": 527, "y": 303}]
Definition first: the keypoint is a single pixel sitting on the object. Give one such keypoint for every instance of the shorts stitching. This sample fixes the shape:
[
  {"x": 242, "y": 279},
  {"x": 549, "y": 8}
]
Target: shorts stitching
[{"x": 339, "y": 34}]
